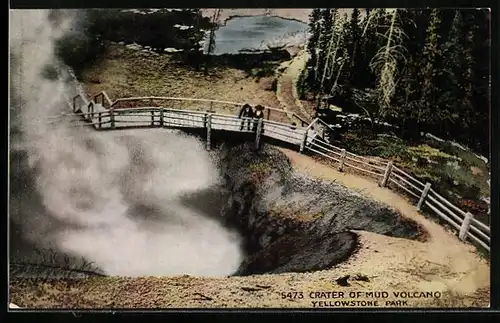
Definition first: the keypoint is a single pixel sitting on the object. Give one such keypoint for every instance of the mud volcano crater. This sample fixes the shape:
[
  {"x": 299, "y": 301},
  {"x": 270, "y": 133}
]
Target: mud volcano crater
[
  {"x": 293, "y": 223},
  {"x": 288, "y": 221}
]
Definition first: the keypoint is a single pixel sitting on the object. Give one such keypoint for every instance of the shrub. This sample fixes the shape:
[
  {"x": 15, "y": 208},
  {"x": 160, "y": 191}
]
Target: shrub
[
  {"x": 474, "y": 207},
  {"x": 77, "y": 50},
  {"x": 429, "y": 153}
]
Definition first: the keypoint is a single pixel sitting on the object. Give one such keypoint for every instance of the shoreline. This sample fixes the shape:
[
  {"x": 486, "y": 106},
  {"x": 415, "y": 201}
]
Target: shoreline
[
  {"x": 300, "y": 15},
  {"x": 223, "y": 23}
]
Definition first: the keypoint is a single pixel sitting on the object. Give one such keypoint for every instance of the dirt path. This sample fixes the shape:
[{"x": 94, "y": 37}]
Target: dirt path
[
  {"x": 442, "y": 265},
  {"x": 286, "y": 90},
  {"x": 444, "y": 261}
]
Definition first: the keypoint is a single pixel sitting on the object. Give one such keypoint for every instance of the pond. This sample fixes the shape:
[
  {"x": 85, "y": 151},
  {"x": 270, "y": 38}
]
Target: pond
[{"x": 241, "y": 34}]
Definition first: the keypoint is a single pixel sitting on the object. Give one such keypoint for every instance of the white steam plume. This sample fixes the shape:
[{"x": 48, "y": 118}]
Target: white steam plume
[{"x": 115, "y": 198}]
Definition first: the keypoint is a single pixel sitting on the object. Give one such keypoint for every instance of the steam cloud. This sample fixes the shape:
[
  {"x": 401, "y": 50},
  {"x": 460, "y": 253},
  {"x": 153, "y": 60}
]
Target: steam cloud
[{"x": 117, "y": 199}]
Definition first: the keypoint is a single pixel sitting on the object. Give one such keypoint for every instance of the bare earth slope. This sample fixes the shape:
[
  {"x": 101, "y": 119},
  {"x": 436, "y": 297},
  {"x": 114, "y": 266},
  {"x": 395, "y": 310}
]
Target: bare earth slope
[{"x": 442, "y": 264}]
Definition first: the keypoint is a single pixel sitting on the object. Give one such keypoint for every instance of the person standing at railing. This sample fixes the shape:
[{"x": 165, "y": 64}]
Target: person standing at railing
[
  {"x": 247, "y": 114},
  {"x": 259, "y": 114}
]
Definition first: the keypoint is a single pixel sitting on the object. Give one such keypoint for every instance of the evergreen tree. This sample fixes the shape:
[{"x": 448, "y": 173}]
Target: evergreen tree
[
  {"x": 442, "y": 84},
  {"x": 468, "y": 68},
  {"x": 339, "y": 69},
  {"x": 328, "y": 50},
  {"x": 385, "y": 63},
  {"x": 370, "y": 43},
  {"x": 451, "y": 101},
  {"x": 482, "y": 78},
  {"x": 353, "y": 44},
  {"x": 315, "y": 31},
  {"x": 324, "y": 41},
  {"x": 428, "y": 112}
]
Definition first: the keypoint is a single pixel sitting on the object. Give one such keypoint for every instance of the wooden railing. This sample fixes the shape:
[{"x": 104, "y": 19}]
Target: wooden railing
[
  {"x": 384, "y": 172},
  {"x": 205, "y": 104}
]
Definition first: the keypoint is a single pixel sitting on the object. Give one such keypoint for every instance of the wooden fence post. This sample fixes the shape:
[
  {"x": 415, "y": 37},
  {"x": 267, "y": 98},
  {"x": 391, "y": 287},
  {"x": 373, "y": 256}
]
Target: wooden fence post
[
  {"x": 209, "y": 129},
  {"x": 162, "y": 112},
  {"x": 464, "y": 229},
  {"x": 268, "y": 113},
  {"x": 205, "y": 120},
  {"x": 258, "y": 134},
  {"x": 152, "y": 118},
  {"x": 100, "y": 119},
  {"x": 343, "y": 155},
  {"x": 304, "y": 141},
  {"x": 112, "y": 117},
  {"x": 423, "y": 196},
  {"x": 90, "y": 111},
  {"x": 386, "y": 174}
]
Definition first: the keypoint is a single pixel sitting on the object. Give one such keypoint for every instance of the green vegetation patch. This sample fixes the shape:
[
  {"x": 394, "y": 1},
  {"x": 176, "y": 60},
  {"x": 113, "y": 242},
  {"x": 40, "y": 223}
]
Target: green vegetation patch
[{"x": 458, "y": 175}]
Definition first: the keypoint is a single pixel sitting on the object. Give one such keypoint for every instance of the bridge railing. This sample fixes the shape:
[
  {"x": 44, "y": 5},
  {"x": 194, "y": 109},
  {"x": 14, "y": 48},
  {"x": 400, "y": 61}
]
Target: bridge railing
[
  {"x": 196, "y": 105},
  {"x": 103, "y": 99},
  {"x": 384, "y": 172}
]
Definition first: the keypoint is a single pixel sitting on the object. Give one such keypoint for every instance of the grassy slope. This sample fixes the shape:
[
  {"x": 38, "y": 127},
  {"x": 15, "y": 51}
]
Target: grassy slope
[
  {"x": 458, "y": 175},
  {"x": 124, "y": 72}
]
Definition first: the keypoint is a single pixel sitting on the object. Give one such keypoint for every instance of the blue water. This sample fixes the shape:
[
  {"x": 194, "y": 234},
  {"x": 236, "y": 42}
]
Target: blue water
[{"x": 243, "y": 33}]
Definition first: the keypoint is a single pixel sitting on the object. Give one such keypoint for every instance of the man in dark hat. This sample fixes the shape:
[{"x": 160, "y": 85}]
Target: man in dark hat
[
  {"x": 259, "y": 114},
  {"x": 247, "y": 114}
]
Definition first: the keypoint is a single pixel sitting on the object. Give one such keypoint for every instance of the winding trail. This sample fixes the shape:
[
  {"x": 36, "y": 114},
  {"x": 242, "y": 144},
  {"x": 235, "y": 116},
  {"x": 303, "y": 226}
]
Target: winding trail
[
  {"x": 441, "y": 262},
  {"x": 286, "y": 90}
]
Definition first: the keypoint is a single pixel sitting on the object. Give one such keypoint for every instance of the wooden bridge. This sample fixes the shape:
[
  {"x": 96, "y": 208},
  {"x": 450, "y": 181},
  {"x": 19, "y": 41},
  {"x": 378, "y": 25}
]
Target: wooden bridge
[{"x": 104, "y": 114}]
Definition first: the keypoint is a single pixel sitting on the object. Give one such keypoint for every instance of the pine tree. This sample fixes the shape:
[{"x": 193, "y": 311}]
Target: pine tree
[
  {"x": 468, "y": 68},
  {"x": 386, "y": 61},
  {"x": 196, "y": 36},
  {"x": 327, "y": 47},
  {"x": 482, "y": 78},
  {"x": 315, "y": 31},
  {"x": 324, "y": 41},
  {"x": 451, "y": 100},
  {"x": 339, "y": 60},
  {"x": 475, "y": 78},
  {"x": 408, "y": 98},
  {"x": 428, "y": 113},
  {"x": 353, "y": 45},
  {"x": 370, "y": 43}
]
